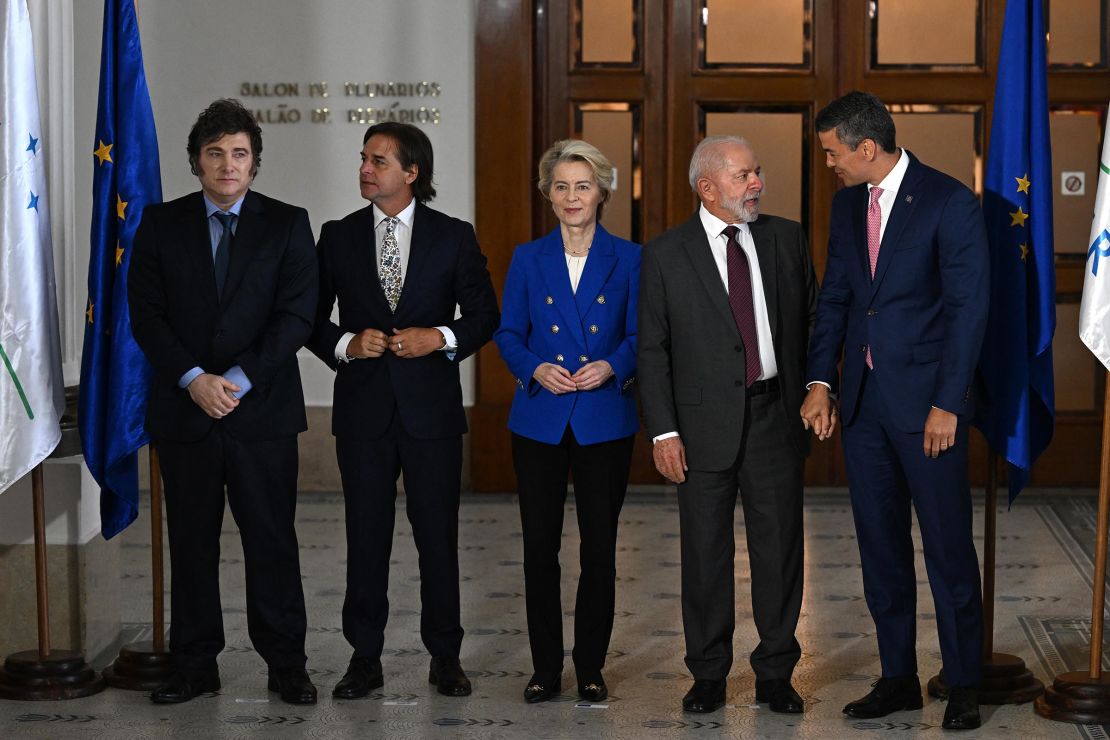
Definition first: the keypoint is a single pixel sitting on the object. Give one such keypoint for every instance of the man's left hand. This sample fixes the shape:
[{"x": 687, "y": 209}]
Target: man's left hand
[
  {"x": 940, "y": 432},
  {"x": 415, "y": 342},
  {"x": 592, "y": 375}
]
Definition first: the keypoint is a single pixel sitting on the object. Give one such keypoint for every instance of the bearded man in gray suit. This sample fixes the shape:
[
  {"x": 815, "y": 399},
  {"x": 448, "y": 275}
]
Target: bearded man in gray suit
[{"x": 727, "y": 300}]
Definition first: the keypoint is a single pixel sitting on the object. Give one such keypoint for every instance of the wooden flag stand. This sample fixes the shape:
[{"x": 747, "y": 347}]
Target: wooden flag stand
[
  {"x": 1006, "y": 680},
  {"x": 1084, "y": 698},
  {"x": 45, "y": 674},
  {"x": 144, "y": 666}
]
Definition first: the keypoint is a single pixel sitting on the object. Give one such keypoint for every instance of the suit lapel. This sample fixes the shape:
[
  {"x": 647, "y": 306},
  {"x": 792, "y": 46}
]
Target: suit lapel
[
  {"x": 598, "y": 267},
  {"x": 768, "y": 269},
  {"x": 198, "y": 243},
  {"x": 553, "y": 266},
  {"x": 420, "y": 246},
  {"x": 249, "y": 233},
  {"x": 900, "y": 214},
  {"x": 859, "y": 230},
  {"x": 696, "y": 244}
]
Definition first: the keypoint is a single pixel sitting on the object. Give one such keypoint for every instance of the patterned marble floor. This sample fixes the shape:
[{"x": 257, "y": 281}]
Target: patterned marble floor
[{"x": 1043, "y": 607}]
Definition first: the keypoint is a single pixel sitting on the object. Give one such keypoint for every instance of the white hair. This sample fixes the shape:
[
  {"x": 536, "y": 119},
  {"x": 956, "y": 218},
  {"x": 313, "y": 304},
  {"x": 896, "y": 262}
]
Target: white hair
[{"x": 708, "y": 157}]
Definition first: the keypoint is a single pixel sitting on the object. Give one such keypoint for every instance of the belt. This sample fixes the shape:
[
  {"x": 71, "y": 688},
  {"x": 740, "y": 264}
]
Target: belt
[{"x": 759, "y": 387}]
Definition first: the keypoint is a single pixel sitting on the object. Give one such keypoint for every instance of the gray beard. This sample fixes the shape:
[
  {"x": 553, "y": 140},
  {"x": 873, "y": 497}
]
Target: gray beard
[{"x": 745, "y": 210}]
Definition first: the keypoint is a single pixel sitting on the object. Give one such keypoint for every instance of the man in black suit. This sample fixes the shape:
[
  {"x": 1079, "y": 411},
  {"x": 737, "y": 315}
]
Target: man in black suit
[
  {"x": 222, "y": 290},
  {"x": 726, "y": 303},
  {"x": 398, "y": 269}
]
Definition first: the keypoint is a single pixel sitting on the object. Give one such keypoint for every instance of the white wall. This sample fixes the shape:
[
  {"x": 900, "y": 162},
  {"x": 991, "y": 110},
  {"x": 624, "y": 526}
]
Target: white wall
[{"x": 200, "y": 50}]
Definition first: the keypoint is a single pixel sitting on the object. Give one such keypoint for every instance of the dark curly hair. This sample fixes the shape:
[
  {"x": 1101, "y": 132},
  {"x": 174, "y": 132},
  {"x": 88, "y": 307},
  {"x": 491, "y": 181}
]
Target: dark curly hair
[
  {"x": 223, "y": 117},
  {"x": 413, "y": 147}
]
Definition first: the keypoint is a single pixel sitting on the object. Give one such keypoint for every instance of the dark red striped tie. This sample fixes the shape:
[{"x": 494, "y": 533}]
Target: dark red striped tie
[{"x": 740, "y": 301}]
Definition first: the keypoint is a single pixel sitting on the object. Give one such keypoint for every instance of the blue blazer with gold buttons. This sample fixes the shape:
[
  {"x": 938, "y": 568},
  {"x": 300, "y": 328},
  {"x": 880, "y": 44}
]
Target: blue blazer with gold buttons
[{"x": 543, "y": 320}]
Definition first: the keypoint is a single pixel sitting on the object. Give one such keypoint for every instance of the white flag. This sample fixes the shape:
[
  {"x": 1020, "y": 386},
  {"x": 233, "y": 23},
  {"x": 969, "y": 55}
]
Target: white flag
[
  {"x": 1094, "y": 312},
  {"x": 32, "y": 395}
]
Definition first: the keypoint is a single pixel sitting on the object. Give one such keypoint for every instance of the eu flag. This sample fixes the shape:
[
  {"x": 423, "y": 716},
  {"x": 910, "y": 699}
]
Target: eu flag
[
  {"x": 114, "y": 373},
  {"x": 1018, "y": 412}
]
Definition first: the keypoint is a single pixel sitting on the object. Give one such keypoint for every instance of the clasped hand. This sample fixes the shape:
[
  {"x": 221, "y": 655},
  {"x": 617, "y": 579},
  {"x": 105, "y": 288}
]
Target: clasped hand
[
  {"x": 213, "y": 394},
  {"x": 819, "y": 412},
  {"x": 406, "y": 343},
  {"x": 559, "y": 380}
]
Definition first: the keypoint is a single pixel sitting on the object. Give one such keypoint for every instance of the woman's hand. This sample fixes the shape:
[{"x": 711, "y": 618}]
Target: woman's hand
[
  {"x": 592, "y": 375},
  {"x": 555, "y": 378}
]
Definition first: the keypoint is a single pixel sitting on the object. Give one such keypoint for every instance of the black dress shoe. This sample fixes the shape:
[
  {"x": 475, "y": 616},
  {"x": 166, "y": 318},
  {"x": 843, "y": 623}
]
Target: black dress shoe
[
  {"x": 447, "y": 674},
  {"x": 293, "y": 684},
  {"x": 593, "y": 689},
  {"x": 181, "y": 687},
  {"x": 363, "y": 674},
  {"x": 888, "y": 695},
  {"x": 779, "y": 695},
  {"x": 542, "y": 688},
  {"x": 963, "y": 709},
  {"x": 706, "y": 695}
]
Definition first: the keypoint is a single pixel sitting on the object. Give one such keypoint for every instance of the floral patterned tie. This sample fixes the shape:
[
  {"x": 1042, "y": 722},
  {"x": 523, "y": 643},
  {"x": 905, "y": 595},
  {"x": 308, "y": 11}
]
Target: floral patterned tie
[{"x": 389, "y": 268}]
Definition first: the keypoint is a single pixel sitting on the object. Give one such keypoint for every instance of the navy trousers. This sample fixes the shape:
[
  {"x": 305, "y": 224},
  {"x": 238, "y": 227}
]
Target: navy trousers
[{"x": 887, "y": 472}]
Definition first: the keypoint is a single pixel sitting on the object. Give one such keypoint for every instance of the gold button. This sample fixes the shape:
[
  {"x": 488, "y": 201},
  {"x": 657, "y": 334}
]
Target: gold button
[
  {"x": 554, "y": 328},
  {"x": 558, "y": 358},
  {"x": 551, "y": 300},
  {"x": 583, "y": 358},
  {"x": 601, "y": 299},
  {"x": 593, "y": 328}
]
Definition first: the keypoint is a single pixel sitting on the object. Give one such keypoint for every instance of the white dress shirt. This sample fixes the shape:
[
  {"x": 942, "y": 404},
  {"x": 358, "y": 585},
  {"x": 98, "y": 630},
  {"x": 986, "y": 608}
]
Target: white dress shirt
[
  {"x": 718, "y": 246},
  {"x": 402, "y": 232}
]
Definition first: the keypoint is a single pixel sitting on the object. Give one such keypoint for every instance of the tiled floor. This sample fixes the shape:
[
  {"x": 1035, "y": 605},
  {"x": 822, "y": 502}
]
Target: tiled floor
[{"x": 1043, "y": 609}]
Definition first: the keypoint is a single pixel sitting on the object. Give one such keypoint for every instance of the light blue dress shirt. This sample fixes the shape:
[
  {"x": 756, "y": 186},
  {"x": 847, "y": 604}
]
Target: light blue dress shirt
[{"x": 215, "y": 232}]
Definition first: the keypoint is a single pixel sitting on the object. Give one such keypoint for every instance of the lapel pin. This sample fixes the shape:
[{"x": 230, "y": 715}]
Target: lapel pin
[{"x": 909, "y": 199}]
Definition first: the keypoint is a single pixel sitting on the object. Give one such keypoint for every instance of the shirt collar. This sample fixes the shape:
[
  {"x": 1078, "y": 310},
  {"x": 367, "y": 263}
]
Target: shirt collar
[
  {"x": 405, "y": 216},
  {"x": 210, "y": 207},
  {"x": 893, "y": 179},
  {"x": 714, "y": 226}
]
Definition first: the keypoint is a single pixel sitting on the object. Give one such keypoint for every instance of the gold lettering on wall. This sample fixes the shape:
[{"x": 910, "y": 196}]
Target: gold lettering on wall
[{"x": 386, "y": 110}]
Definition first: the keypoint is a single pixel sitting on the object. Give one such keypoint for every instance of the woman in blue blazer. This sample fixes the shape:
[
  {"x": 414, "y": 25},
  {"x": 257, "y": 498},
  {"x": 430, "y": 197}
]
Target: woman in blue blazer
[{"x": 568, "y": 334}]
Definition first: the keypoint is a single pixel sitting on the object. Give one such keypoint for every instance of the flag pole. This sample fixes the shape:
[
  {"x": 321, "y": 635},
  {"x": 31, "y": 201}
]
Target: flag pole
[
  {"x": 145, "y": 665},
  {"x": 45, "y": 674},
  {"x": 1006, "y": 679},
  {"x": 1083, "y": 697}
]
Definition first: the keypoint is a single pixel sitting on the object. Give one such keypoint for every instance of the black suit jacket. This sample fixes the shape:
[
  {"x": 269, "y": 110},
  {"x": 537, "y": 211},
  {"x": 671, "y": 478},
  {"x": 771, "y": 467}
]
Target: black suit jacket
[
  {"x": 262, "y": 319},
  {"x": 691, "y": 358},
  {"x": 445, "y": 268}
]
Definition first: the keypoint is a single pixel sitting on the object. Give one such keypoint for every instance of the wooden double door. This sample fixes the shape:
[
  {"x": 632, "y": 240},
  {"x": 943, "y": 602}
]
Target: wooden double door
[{"x": 645, "y": 80}]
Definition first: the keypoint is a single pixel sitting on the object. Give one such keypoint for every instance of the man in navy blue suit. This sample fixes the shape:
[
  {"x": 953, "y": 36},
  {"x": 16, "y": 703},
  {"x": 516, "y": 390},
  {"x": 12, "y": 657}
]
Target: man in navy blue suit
[{"x": 905, "y": 296}]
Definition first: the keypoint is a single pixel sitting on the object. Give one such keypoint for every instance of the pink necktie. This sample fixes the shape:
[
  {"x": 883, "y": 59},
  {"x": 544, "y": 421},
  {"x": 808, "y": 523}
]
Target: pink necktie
[{"x": 874, "y": 221}]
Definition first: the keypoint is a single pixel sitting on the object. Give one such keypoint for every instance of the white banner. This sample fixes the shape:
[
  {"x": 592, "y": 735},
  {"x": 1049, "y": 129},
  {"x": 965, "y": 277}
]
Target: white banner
[
  {"x": 1094, "y": 312},
  {"x": 32, "y": 395}
]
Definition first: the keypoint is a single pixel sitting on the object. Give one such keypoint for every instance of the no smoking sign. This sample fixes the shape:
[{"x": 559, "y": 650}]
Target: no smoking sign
[{"x": 1073, "y": 183}]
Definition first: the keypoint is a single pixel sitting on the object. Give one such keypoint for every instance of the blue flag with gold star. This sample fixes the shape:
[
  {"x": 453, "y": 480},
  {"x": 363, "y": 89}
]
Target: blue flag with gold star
[
  {"x": 1017, "y": 412},
  {"x": 114, "y": 373}
]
